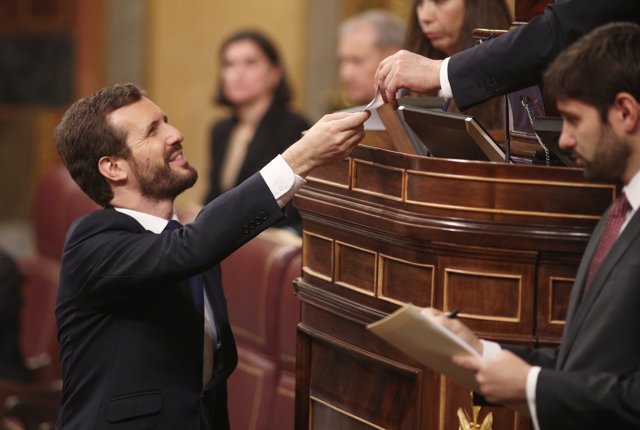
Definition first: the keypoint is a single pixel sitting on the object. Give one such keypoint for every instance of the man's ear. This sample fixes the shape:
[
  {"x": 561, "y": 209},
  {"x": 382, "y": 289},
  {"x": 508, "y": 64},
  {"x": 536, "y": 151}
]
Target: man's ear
[
  {"x": 625, "y": 113},
  {"x": 113, "y": 168}
]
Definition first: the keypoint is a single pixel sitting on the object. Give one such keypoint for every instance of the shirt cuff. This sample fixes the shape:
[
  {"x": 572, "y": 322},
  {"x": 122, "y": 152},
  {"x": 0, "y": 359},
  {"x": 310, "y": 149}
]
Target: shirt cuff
[
  {"x": 445, "y": 86},
  {"x": 532, "y": 382},
  {"x": 489, "y": 349},
  {"x": 282, "y": 181}
]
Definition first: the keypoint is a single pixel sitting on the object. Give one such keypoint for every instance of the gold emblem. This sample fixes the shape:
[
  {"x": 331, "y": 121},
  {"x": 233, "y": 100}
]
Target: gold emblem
[{"x": 466, "y": 424}]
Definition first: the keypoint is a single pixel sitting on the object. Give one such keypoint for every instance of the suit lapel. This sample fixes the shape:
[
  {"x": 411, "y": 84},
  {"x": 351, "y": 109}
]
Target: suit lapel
[
  {"x": 580, "y": 306},
  {"x": 583, "y": 270}
]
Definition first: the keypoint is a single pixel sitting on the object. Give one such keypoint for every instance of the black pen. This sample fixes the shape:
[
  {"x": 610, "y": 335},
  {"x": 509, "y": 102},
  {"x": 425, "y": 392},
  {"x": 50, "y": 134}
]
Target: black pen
[{"x": 453, "y": 313}]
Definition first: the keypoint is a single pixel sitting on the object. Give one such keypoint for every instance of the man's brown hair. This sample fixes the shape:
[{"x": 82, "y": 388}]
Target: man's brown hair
[
  {"x": 85, "y": 135},
  {"x": 597, "y": 67}
]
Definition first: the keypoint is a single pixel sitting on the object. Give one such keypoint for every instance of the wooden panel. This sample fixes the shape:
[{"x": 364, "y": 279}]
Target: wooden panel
[
  {"x": 317, "y": 255},
  {"x": 494, "y": 293},
  {"x": 378, "y": 180},
  {"x": 36, "y": 15},
  {"x": 325, "y": 416},
  {"x": 338, "y": 174},
  {"x": 362, "y": 387},
  {"x": 506, "y": 196},
  {"x": 355, "y": 268},
  {"x": 468, "y": 291},
  {"x": 403, "y": 281},
  {"x": 554, "y": 289}
]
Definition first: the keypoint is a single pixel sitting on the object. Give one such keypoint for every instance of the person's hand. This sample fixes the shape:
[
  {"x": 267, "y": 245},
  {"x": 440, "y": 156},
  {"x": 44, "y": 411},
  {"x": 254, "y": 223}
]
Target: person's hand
[
  {"x": 456, "y": 326},
  {"x": 407, "y": 70},
  {"x": 331, "y": 139},
  {"x": 501, "y": 378}
]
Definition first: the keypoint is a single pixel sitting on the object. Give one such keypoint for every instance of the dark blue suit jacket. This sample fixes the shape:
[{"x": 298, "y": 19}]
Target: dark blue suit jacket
[
  {"x": 131, "y": 341},
  {"x": 518, "y": 59}
]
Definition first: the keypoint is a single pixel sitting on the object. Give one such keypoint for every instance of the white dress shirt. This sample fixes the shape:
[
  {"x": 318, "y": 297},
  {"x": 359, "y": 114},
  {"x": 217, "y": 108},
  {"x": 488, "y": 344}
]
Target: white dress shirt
[{"x": 445, "y": 86}]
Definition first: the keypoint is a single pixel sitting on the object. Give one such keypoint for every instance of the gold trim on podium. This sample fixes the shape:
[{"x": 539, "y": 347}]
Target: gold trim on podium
[
  {"x": 516, "y": 319},
  {"x": 305, "y": 256},
  {"x": 381, "y": 278},
  {"x": 340, "y": 411},
  {"x": 337, "y": 247},
  {"x": 551, "y": 301}
]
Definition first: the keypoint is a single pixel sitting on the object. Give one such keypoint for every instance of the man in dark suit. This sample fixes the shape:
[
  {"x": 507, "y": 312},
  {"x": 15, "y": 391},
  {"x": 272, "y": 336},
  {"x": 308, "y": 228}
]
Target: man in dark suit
[
  {"x": 513, "y": 61},
  {"x": 592, "y": 380},
  {"x": 142, "y": 320}
]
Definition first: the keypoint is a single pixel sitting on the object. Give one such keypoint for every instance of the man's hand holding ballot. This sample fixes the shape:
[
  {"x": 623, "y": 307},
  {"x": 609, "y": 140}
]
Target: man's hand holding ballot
[{"x": 500, "y": 375}]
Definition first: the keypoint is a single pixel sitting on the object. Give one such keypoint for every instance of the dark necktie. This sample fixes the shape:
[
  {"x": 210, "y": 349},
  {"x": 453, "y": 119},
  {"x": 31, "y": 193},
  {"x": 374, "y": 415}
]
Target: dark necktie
[
  {"x": 196, "y": 282},
  {"x": 613, "y": 224},
  {"x": 211, "y": 337}
]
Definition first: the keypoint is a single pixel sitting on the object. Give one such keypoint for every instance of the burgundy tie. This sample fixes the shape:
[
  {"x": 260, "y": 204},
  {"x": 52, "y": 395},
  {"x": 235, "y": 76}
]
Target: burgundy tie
[{"x": 613, "y": 224}]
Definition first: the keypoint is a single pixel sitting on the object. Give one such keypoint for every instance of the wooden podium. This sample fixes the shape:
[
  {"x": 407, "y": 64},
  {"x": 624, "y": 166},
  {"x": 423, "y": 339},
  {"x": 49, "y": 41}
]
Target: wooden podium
[{"x": 499, "y": 242}]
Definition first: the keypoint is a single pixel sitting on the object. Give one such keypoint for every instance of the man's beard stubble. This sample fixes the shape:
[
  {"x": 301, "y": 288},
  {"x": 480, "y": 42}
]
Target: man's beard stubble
[
  {"x": 161, "y": 182},
  {"x": 610, "y": 157}
]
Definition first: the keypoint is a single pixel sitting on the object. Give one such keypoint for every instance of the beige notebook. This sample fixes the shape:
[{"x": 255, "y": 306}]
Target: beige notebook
[{"x": 427, "y": 341}]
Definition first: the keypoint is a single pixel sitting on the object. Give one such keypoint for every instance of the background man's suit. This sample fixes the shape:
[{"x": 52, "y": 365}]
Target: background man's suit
[
  {"x": 131, "y": 341},
  {"x": 517, "y": 60},
  {"x": 593, "y": 379}
]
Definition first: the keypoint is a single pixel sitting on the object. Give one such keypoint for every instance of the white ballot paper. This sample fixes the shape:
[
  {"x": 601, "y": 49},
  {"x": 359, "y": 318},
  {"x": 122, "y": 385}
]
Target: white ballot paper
[{"x": 427, "y": 341}]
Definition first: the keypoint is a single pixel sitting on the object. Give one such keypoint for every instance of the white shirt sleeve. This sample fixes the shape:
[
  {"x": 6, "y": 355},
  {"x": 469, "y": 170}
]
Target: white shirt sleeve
[
  {"x": 489, "y": 349},
  {"x": 445, "y": 86},
  {"x": 532, "y": 382},
  {"x": 281, "y": 180}
]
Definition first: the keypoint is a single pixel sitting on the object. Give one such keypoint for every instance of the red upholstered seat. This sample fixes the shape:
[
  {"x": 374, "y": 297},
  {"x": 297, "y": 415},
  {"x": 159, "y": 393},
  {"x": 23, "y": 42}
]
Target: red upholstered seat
[
  {"x": 58, "y": 202},
  {"x": 282, "y": 416},
  {"x": 289, "y": 315},
  {"x": 38, "y": 323},
  {"x": 264, "y": 311},
  {"x": 252, "y": 278},
  {"x": 252, "y": 391}
]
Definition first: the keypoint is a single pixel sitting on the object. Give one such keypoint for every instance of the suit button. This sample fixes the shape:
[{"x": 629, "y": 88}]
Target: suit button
[
  {"x": 246, "y": 231},
  {"x": 263, "y": 214},
  {"x": 252, "y": 224}
]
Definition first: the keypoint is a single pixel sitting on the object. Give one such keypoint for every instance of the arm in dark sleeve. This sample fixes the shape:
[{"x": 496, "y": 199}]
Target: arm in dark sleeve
[
  {"x": 108, "y": 256},
  {"x": 579, "y": 400},
  {"x": 543, "y": 357},
  {"x": 518, "y": 59}
]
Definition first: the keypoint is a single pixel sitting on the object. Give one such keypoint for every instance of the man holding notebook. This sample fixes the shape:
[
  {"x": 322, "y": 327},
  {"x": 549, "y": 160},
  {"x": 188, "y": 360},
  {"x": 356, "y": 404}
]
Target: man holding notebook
[{"x": 592, "y": 380}]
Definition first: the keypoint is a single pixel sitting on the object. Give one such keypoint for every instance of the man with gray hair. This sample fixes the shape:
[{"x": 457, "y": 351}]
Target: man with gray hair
[{"x": 364, "y": 40}]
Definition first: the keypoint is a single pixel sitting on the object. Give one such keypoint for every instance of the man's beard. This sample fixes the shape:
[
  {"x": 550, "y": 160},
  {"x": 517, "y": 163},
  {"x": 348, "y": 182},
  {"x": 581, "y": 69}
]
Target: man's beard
[
  {"x": 610, "y": 157},
  {"x": 161, "y": 182}
]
